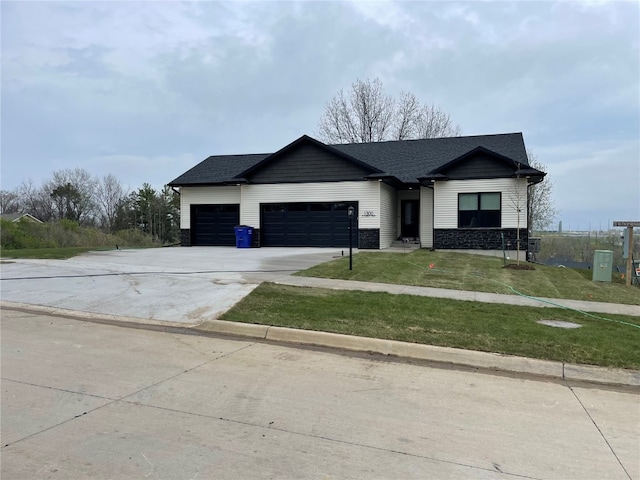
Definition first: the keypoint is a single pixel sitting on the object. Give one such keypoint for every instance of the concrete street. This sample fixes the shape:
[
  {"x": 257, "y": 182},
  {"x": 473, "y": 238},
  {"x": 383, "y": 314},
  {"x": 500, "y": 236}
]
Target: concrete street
[{"x": 85, "y": 400}]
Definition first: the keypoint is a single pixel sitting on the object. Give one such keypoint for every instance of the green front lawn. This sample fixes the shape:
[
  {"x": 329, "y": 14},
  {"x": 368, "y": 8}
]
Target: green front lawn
[
  {"x": 459, "y": 271},
  {"x": 450, "y": 323}
]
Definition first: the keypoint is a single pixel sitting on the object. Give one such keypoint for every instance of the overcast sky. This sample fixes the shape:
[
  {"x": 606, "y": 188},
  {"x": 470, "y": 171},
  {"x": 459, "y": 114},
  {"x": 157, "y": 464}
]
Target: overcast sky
[{"x": 145, "y": 90}]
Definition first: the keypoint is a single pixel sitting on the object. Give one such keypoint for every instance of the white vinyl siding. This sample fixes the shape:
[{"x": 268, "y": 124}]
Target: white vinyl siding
[
  {"x": 514, "y": 198},
  {"x": 388, "y": 207},
  {"x": 205, "y": 196},
  {"x": 426, "y": 217},
  {"x": 514, "y": 192},
  {"x": 366, "y": 193}
]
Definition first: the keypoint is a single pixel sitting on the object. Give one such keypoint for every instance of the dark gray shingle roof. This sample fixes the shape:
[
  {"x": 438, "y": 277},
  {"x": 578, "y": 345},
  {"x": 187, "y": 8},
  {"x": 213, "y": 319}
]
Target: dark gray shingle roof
[
  {"x": 218, "y": 169},
  {"x": 406, "y": 160}
]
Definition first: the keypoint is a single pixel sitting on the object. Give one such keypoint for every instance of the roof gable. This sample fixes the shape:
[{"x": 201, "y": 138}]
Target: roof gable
[
  {"x": 17, "y": 217},
  {"x": 479, "y": 163},
  {"x": 307, "y": 160}
]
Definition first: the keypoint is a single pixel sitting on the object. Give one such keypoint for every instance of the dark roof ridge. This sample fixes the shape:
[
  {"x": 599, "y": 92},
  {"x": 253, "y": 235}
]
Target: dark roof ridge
[
  {"x": 236, "y": 154},
  {"x": 423, "y": 139}
]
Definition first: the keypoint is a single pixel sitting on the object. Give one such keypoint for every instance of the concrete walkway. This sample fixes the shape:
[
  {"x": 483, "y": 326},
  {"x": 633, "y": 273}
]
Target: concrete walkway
[{"x": 598, "y": 307}]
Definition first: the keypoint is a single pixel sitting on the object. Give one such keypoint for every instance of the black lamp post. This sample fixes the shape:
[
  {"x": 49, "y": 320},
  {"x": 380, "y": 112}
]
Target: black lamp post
[{"x": 350, "y": 211}]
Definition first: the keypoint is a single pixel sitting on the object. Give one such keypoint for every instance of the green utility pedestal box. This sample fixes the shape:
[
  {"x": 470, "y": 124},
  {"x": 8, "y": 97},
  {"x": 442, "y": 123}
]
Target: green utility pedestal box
[{"x": 602, "y": 265}]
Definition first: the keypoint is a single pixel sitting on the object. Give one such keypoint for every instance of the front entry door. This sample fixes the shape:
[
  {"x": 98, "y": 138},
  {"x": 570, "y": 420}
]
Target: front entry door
[{"x": 410, "y": 222}]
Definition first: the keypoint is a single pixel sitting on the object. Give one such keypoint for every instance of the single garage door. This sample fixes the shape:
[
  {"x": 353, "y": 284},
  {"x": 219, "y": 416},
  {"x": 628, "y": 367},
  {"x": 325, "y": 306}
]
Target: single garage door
[
  {"x": 213, "y": 224},
  {"x": 315, "y": 224}
]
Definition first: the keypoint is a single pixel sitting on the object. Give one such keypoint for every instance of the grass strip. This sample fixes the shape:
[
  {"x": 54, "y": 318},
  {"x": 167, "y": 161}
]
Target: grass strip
[{"x": 450, "y": 323}]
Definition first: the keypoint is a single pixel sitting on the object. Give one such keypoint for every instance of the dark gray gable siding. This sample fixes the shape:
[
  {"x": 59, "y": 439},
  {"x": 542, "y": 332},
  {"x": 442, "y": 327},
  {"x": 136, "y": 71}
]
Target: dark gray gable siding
[
  {"x": 307, "y": 163},
  {"x": 479, "y": 165}
]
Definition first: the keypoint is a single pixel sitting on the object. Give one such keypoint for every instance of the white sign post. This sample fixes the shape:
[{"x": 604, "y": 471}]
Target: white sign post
[{"x": 630, "y": 265}]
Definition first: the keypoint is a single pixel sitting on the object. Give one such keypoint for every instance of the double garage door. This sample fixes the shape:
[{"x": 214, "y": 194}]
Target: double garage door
[{"x": 317, "y": 224}]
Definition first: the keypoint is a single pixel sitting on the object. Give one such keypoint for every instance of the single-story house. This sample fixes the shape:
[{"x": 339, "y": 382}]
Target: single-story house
[
  {"x": 18, "y": 217},
  {"x": 445, "y": 193}
]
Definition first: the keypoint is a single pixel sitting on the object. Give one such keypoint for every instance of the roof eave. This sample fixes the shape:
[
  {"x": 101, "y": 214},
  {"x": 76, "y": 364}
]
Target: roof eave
[
  {"x": 201, "y": 184},
  {"x": 532, "y": 175},
  {"x": 387, "y": 178},
  {"x": 430, "y": 179}
]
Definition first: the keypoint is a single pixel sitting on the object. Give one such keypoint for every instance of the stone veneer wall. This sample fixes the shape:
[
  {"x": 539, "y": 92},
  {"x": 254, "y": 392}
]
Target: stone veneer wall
[
  {"x": 479, "y": 239},
  {"x": 368, "y": 238},
  {"x": 185, "y": 237},
  {"x": 255, "y": 240}
]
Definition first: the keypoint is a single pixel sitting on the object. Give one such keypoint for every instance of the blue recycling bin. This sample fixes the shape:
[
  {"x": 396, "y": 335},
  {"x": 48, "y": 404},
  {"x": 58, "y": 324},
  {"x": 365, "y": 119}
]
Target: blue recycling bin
[{"x": 244, "y": 235}]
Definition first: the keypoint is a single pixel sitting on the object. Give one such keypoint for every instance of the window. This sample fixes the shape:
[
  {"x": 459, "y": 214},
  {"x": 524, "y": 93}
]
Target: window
[{"x": 479, "y": 210}]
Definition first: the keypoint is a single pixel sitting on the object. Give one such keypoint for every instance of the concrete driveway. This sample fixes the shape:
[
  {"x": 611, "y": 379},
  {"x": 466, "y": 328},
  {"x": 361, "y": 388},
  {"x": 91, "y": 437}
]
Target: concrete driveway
[{"x": 184, "y": 285}]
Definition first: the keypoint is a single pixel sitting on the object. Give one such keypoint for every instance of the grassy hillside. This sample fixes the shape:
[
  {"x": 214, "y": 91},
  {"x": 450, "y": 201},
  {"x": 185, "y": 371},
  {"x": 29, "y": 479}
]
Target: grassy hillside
[{"x": 18, "y": 236}]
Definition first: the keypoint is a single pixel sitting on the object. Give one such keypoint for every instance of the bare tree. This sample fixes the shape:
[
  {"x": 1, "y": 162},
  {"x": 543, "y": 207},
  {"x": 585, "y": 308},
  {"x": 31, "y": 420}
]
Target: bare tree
[
  {"x": 432, "y": 122},
  {"x": 35, "y": 200},
  {"x": 407, "y": 114},
  {"x": 367, "y": 114},
  {"x": 540, "y": 208},
  {"x": 109, "y": 195},
  {"x": 73, "y": 192},
  {"x": 9, "y": 202}
]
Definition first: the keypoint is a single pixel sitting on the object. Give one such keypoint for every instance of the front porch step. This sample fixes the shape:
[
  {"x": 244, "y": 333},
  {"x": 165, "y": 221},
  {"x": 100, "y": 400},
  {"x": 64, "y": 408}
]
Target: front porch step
[{"x": 413, "y": 244}]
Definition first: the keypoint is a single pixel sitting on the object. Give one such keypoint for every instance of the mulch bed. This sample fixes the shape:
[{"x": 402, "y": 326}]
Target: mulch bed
[{"x": 522, "y": 266}]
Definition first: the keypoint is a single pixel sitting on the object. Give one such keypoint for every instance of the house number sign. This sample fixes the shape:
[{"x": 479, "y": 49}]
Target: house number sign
[{"x": 368, "y": 213}]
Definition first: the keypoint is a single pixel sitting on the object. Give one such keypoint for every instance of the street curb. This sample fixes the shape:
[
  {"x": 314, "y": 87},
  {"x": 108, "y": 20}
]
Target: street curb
[
  {"x": 233, "y": 328},
  {"x": 592, "y": 373},
  {"x": 455, "y": 356},
  {"x": 80, "y": 315}
]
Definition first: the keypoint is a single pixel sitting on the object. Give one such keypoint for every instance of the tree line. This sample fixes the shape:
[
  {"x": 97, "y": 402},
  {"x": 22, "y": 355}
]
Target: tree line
[{"x": 101, "y": 202}]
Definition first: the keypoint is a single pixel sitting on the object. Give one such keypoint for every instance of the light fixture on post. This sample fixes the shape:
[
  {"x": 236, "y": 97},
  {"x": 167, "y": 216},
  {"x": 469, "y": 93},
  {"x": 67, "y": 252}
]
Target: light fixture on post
[{"x": 350, "y": 212}]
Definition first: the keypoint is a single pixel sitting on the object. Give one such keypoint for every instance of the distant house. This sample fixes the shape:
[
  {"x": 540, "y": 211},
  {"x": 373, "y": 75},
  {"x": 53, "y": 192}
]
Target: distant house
[
  {"x": 445, "y": 193},
  {"x": 17, "y": 217}
]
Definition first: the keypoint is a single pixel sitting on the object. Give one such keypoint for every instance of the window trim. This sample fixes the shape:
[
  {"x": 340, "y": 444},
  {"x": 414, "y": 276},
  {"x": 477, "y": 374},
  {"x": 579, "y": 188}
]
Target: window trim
[{"x": 479, "y": 210}]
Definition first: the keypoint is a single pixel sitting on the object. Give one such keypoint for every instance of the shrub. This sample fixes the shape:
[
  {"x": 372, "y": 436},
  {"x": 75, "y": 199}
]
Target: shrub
[{"x": 23, "y": 234}]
